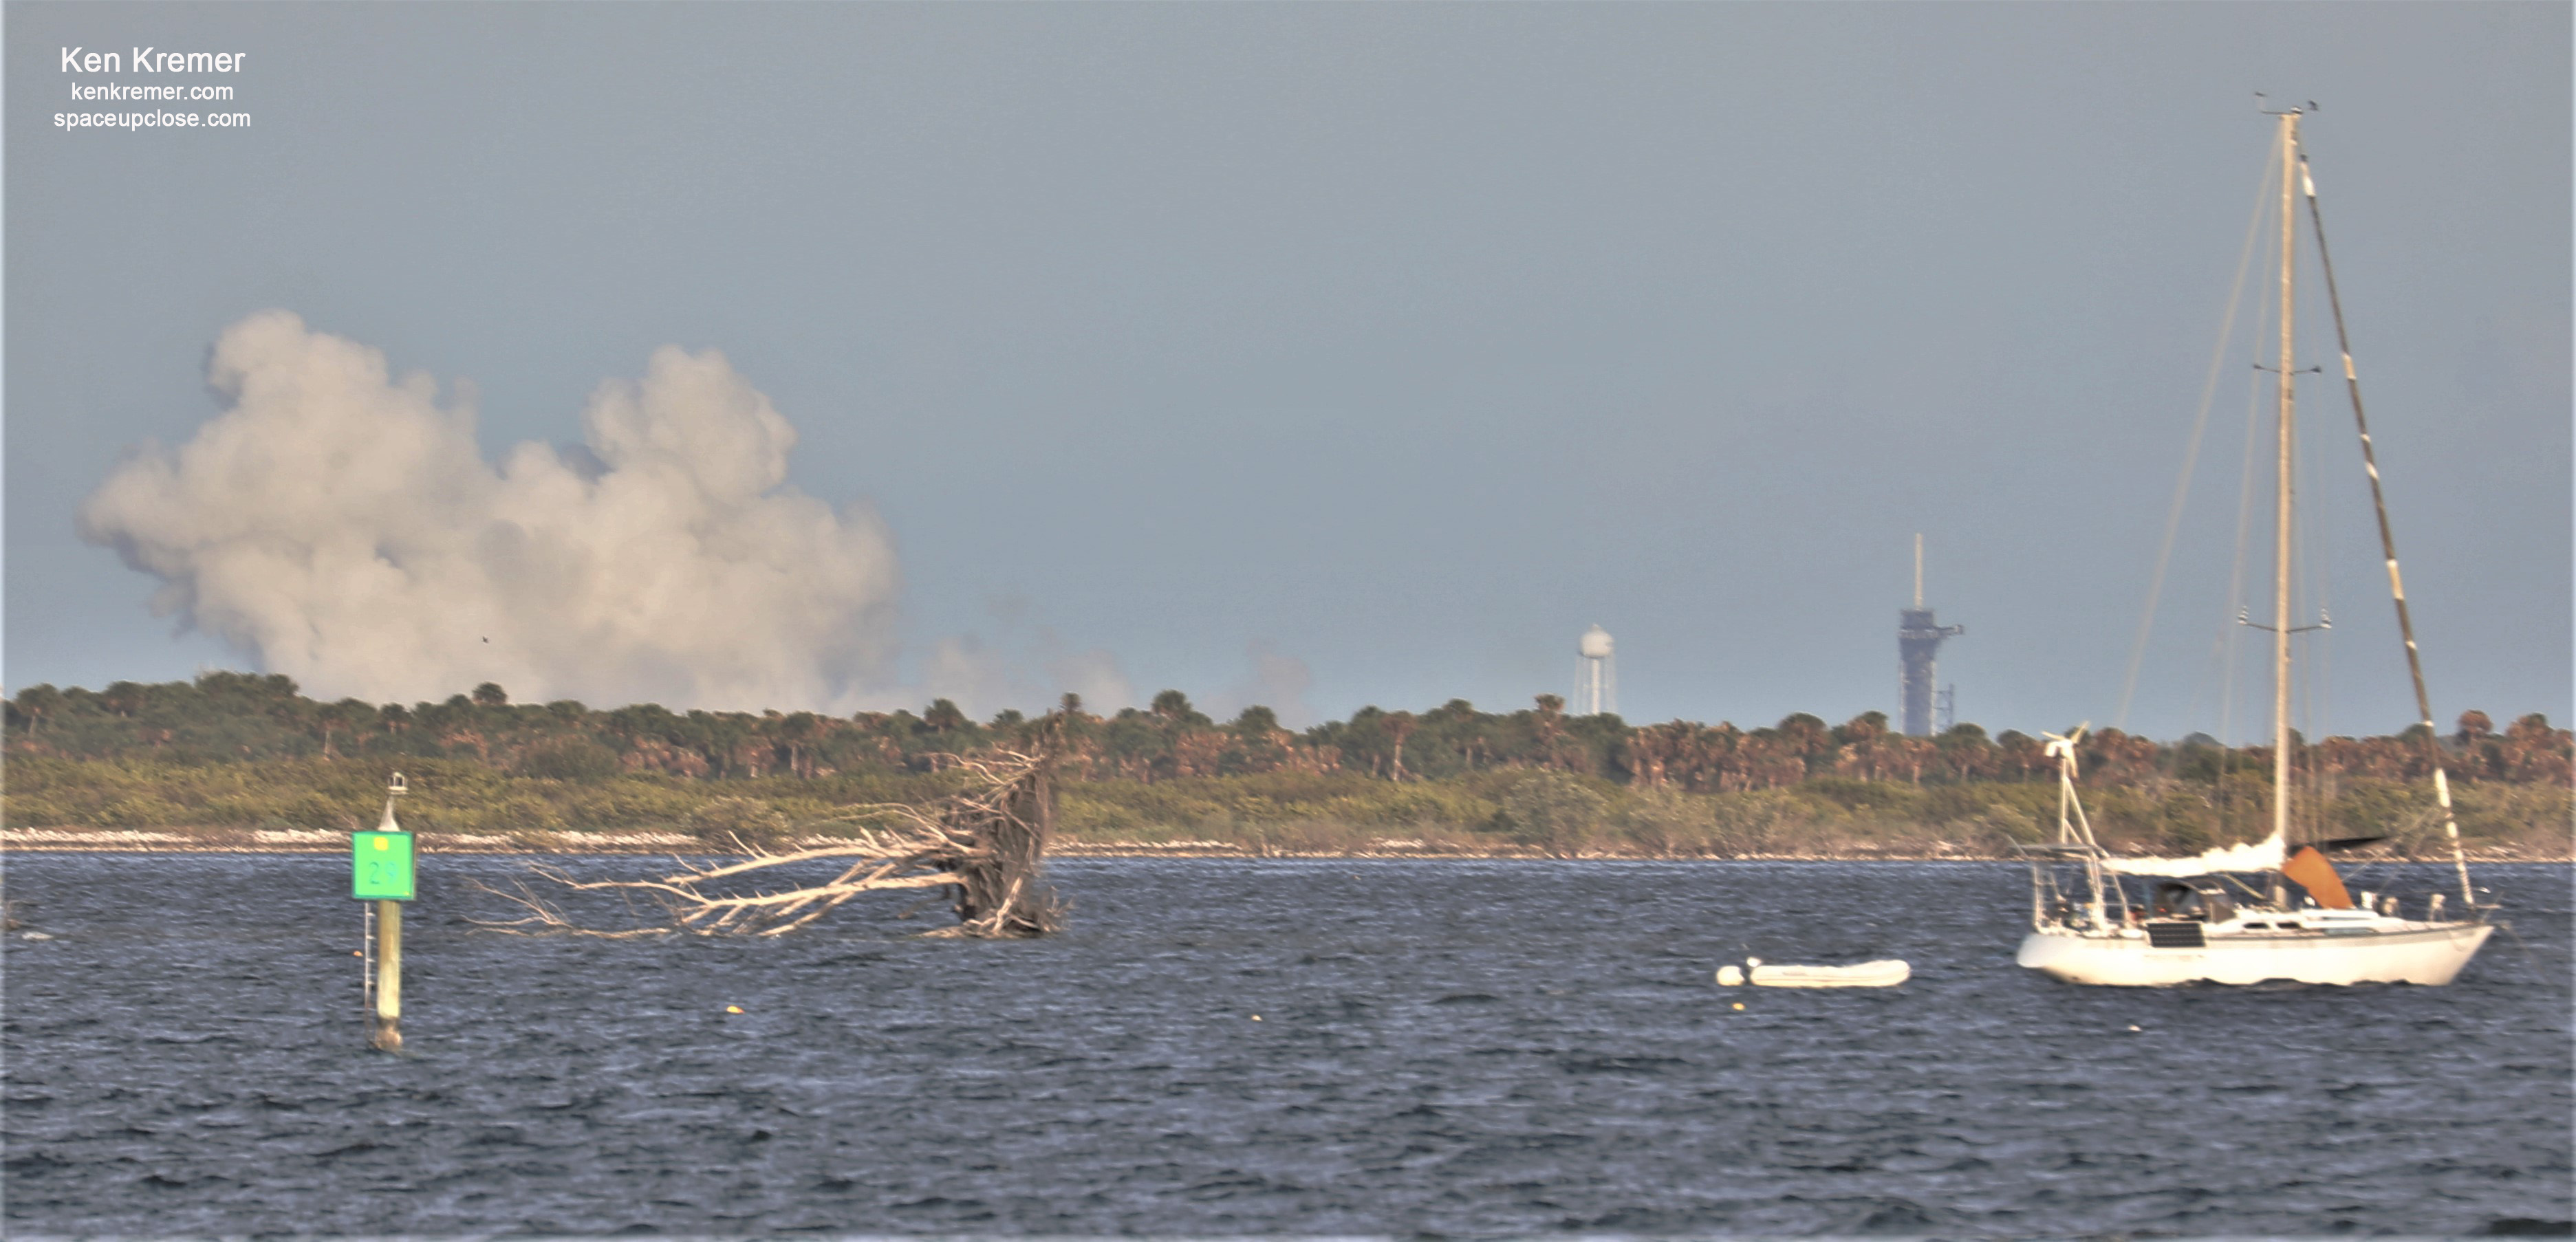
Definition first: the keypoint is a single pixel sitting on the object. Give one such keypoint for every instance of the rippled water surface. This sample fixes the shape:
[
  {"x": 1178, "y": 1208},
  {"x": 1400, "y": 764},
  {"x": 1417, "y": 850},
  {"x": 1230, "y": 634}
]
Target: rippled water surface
[{"x": 1459, "y": 1047}]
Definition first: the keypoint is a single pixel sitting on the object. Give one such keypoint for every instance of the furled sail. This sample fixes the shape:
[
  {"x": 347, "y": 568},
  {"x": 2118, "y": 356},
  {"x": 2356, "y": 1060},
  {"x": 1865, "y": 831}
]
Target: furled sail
[{"x": 2263, "y": 855}]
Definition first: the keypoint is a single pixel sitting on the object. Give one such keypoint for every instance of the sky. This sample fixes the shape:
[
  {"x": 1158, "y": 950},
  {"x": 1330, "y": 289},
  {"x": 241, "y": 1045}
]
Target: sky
[{"x": 844, "y": 356}]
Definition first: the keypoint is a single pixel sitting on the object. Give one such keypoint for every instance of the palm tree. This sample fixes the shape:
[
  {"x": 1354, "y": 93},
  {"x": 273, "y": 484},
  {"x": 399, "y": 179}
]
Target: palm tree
[
  {"x": 1399, "y": 725},
  {"x": 330, "y": 717},
  {"x": 123, "y": 698},
  {"x": 37, "y": 702},
  {"x": 798, "y": 732}
]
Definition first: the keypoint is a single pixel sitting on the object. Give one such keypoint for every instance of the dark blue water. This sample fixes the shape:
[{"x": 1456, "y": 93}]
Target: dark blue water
[{"x": 1454, "y": 1048}]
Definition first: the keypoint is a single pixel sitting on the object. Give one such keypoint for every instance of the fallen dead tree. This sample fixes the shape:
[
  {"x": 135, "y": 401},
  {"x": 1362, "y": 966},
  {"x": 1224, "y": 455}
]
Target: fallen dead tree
[{"x": 981, "y": 846}]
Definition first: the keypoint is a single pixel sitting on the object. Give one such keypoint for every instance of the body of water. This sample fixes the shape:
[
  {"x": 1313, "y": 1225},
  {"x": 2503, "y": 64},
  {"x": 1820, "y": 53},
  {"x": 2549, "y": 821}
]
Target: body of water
[{"x": 1441, "y": 1047}]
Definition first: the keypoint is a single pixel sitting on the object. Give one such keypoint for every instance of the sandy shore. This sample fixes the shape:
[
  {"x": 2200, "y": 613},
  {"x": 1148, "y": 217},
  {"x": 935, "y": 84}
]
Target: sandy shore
[{"x": 315, "y": 841}]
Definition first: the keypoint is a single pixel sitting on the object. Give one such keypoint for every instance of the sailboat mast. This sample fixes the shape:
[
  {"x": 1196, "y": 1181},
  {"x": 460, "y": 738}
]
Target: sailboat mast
[{"x": 2281, "y": 511}]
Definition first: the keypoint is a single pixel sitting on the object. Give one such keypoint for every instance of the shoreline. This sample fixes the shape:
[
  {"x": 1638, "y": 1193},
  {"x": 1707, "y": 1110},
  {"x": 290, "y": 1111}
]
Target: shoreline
[{"x": 574, "y": 844}]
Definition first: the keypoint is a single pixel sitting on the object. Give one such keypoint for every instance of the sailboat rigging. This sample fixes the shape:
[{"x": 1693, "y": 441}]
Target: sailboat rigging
[{"x": 2201, "y": 921}]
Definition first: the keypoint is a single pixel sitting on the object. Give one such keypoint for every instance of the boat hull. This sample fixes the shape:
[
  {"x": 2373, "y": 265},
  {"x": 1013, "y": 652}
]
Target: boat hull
[
  {"x": 1881, "y": 974},
  {"x": 2425, "y": 953}
]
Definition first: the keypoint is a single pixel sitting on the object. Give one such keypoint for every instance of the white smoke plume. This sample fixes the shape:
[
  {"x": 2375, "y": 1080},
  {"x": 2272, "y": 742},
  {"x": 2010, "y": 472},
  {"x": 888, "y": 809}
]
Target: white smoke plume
[
  {"x": 1023, "y": 670},
  {"x": 1094, "y": 675},
  {"x": 341, "y": 526},
  {"x": 1275, "y": 681}
]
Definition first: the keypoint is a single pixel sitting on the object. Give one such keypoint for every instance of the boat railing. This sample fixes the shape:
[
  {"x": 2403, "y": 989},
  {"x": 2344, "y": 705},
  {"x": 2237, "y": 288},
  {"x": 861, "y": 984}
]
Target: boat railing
[{"x": 2068, "y": 849}]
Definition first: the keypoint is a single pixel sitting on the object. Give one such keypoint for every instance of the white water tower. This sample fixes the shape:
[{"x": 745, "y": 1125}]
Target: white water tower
[{"x": 1596, "y": 684}]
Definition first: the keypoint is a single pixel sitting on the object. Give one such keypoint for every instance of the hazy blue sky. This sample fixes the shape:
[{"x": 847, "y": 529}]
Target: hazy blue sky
[{"x": 1382, "y": 347}]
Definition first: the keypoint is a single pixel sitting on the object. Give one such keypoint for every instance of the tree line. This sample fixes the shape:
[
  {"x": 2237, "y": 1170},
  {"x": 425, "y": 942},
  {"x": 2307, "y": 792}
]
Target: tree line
[{"x": 226, "y": 717}]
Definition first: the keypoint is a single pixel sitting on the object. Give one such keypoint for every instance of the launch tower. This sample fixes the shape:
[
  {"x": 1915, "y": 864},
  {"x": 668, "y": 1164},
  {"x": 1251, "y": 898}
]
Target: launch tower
[{"x": 1918, "y": 639}]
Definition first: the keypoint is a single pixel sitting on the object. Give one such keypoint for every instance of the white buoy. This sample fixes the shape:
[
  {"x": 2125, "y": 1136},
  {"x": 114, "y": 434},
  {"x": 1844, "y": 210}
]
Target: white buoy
[{"x": 1730, "y": 976}]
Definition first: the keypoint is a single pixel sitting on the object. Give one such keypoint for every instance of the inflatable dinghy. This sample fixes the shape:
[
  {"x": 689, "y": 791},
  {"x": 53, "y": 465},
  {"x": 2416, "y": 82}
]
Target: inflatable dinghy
[{"x": 1882, "y": 974}]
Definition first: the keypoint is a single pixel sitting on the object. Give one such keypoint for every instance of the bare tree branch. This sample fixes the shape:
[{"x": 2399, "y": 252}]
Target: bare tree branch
[{"x": 984, "y": 845}]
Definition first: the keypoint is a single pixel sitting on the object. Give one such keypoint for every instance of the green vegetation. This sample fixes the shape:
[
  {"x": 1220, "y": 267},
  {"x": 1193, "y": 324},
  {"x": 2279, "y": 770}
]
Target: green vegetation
[{"x": 232, "y": 752}]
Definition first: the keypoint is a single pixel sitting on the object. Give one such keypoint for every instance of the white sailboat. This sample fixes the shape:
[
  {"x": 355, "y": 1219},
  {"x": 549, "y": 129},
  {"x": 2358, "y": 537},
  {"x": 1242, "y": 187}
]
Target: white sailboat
[{"x": 2202, "y": 920}]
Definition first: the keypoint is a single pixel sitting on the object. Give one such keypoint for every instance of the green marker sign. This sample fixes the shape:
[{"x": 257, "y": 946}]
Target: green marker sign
[{"x": 380, "y": 866}]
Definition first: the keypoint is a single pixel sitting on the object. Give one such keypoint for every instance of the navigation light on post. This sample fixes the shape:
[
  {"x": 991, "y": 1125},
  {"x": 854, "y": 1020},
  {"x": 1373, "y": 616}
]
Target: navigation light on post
[
  {"x": 380, "y": 862},
  {"x": 380, "y": 871}
]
